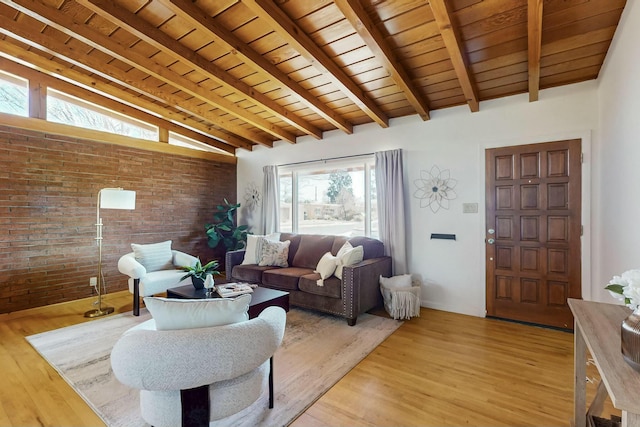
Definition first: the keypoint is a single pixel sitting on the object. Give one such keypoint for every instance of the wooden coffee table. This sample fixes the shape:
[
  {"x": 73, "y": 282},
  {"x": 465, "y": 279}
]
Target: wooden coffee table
[{"x": 261, "y": 298}]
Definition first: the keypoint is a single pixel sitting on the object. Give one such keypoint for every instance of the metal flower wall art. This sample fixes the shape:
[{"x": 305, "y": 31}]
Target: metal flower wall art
[
  {"x": 252, "y": 196},
  {"x": 435, "y": 188}
]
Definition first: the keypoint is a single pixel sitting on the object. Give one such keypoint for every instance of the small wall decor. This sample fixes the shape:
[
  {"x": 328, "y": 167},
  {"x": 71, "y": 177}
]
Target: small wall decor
[
  {"x": 252, "y": 196},
  {"x": 435, "y": 188}
]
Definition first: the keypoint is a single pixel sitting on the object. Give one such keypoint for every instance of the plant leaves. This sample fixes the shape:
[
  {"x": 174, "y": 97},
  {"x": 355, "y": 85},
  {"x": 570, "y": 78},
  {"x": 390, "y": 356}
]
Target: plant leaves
[{"x": 618, "y": 289}]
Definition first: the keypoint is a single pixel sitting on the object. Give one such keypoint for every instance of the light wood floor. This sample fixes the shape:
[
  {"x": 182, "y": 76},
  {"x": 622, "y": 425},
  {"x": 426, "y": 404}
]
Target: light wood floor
[{"x": 441, "y": 369}]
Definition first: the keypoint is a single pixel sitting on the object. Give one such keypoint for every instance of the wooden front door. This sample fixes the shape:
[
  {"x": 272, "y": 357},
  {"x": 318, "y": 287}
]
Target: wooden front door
[{"x": 533, "y": 231}]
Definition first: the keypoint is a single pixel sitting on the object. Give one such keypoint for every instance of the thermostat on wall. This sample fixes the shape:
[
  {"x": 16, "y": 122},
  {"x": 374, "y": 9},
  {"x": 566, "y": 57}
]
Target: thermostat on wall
[{"x": 469, "y": 208}]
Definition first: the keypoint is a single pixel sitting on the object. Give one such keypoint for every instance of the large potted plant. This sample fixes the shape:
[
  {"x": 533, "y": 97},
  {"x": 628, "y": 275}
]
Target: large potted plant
[
  {"x": 198, "y": 272},
  {"x": 224, "y": 230}
]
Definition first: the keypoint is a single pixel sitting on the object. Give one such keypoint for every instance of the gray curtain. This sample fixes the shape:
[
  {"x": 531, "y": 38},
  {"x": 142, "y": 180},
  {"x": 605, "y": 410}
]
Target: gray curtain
[
  {"x": 270, "y": 221},
  {"x": 391, "y": 219}
]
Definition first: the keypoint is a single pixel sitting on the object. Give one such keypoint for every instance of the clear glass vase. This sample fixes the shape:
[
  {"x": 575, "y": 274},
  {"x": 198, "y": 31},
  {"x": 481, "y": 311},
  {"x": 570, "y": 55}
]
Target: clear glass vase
[{"x": 630, "y": 335}]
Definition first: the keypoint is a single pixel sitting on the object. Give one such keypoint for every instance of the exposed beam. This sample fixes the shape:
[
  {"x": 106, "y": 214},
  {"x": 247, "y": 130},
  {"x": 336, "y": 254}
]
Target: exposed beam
[
  {"x": 63, "y": 23},
  {"x": 359, "y": 19},
  {"x": 53, "y": 68},
  {"x": 270, "y": 13},
  {"x": 187, "y": 10},
  {"x": 163, "y": 42},
  {"x": 534, "y": 25},
  {"x": 453, "y": 43}
]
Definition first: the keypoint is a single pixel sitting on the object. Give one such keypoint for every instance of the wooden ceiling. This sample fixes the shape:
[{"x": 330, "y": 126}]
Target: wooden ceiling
[{"x": 239, "y": 73}]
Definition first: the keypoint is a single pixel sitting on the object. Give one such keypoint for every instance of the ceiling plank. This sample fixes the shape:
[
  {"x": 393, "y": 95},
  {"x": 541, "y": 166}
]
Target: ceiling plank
[
  {"x": 188, "y": 10},
  {"x": 534, "y": 25},
  {"x": 454, "y": 45},
  {"x": 269, "y": 12},
  {"x": 359, "y": 19},
  {"x": 85, "y": 34},
  {"x": 161, "y": 41},
  {"x": 41, "y": 41}
]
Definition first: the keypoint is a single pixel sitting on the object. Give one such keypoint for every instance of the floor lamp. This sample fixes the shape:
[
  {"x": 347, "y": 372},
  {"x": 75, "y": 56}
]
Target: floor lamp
[{"x": 108, "y": 198}]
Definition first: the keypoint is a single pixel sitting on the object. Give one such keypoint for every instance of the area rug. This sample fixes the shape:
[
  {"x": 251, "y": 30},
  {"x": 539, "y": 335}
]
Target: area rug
[{"x": 317, "y": 351}]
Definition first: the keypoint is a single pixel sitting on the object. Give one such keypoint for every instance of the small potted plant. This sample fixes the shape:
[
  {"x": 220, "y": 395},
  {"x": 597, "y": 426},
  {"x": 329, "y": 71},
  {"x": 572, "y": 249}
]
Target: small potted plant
[{"x": 199, "y": 272}]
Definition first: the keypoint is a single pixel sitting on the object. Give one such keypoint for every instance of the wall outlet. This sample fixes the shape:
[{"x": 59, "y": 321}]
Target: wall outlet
[{"x": 93, "y": 281}]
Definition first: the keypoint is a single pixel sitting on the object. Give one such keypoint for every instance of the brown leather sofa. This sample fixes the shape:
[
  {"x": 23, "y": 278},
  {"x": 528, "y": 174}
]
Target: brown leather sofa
[{"x": 356, "y": 293}]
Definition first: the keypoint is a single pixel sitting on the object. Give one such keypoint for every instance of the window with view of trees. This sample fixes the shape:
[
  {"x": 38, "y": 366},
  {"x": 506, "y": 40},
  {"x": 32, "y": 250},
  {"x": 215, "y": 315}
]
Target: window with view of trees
[
  {"x": 14, "y": 96},
  {"x": 334, "y": 197},
  {"x": 66, "y": 109}
]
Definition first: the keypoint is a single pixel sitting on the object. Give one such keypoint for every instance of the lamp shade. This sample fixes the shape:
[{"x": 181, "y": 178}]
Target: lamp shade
[{"x": 117, "y": 198}]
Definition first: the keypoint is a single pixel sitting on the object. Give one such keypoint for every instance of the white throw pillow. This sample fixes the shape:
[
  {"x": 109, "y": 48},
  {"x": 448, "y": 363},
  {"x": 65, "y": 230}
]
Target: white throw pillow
[
  {"x": 349, "y": 257},
  {"x": 154, "y": 257},
  {"x": 252, "y": 252},
  {"x": 326, "y": 265},
  {"x": 173, "y": 313},
  {"x": 401, "y": 281},
  {"x": 274, "y": 254}
]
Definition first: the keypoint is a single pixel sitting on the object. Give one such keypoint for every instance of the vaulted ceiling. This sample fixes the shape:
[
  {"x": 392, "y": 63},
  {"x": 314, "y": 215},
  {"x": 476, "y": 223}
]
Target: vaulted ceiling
[{"x": 239, "y": 73}]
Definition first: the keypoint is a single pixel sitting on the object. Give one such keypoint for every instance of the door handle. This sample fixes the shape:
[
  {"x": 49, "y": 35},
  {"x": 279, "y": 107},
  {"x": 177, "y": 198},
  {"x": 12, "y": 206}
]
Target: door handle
[{"x": 491, "y": 241}]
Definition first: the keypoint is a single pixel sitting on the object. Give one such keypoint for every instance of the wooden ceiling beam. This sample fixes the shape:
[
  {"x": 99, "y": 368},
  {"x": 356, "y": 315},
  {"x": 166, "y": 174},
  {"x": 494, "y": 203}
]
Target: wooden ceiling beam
[
  {"x": 42, "y": 42},
  {"x": 187, "y": 10},
  {"x": 280, "y": 22},
  {"x": 359, "y": 19},
  {"x": 163, "y": 42},
  {"x": 453, "y": 43},
  {"x": 63, "y": 23},
  {"x": 534, "y": 27}
]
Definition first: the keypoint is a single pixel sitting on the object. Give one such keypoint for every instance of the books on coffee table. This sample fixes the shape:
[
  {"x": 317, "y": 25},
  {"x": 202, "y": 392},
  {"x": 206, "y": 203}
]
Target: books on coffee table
[{"x": 233, "y": 289}]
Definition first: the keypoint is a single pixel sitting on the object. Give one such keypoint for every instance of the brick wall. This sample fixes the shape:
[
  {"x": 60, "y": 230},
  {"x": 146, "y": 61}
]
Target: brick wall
[{"x": 48, "y": 202}]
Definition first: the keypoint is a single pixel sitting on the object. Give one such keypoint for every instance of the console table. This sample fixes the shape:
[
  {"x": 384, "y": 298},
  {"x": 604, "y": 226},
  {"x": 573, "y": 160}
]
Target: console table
[{"x": 597, "y": 327}]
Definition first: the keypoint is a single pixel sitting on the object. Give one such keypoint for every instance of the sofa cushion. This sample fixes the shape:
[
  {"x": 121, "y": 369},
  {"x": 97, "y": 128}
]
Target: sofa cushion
[
  {"x": 249, "y": 273},
  {"x": 293, "y": 247},
  {"x": 155, "y": 256},
  {"x": 284, "y": 278},
  {"x": 311, "y": 249},
  {"x": 338, "y": 243},
  {"x": 332, "y": 286}
]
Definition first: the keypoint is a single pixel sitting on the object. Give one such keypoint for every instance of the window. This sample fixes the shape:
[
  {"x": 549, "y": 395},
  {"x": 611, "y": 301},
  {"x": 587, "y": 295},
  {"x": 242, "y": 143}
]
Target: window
[
  {"x": 14, "y": 97},
  {"x": 66, "y": 109},
  {"x": 183, "y": 141},
  {"x": 332, "y": 197}
]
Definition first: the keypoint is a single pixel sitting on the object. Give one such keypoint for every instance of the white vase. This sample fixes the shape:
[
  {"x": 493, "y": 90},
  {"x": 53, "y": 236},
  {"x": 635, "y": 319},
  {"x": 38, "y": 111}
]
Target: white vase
[{"x": 630, "y": 337}]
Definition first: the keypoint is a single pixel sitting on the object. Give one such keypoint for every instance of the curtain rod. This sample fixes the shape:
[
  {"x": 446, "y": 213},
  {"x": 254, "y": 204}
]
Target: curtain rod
[{"x": 324, "y": 160}]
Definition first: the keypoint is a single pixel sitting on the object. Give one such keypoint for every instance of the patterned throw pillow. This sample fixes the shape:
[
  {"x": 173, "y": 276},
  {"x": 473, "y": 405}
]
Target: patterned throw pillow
[
  {"x": 252, "y": 250},
  {"x": 273, "y": 254},
  {"x": 154, "y": 257}
]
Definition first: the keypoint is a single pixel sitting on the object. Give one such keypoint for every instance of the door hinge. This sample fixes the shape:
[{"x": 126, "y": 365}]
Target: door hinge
[
  {"x": 581, "y": 157},
  {"x": 581, "y": 230}
]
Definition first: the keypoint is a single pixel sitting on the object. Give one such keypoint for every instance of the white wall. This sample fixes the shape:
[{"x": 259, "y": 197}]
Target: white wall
[
  {"x": 616, "y": 201},
  {"x": 453, "y": 272}
]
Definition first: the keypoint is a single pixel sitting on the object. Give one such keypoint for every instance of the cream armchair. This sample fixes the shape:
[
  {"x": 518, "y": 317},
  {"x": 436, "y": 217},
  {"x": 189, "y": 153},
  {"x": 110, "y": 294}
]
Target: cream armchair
[
  {"x": 143, "y": 283},
  {"x": 229, "y": 365}
]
